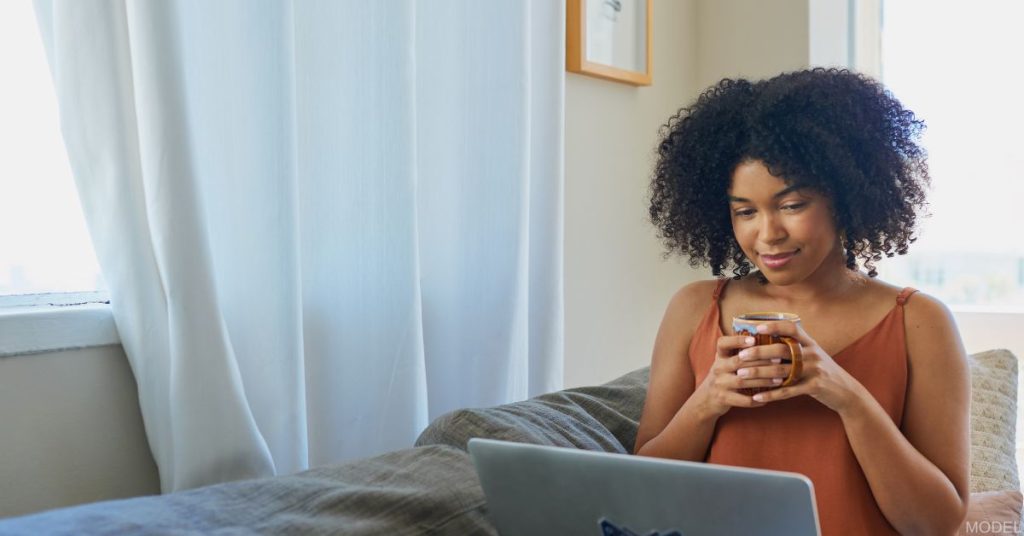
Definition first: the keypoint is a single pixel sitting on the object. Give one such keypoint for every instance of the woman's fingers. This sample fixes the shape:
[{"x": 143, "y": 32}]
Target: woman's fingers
[
  {"x": 741, "y": 365},
  {"x": 760, "y": 382},
  {"x": 765, "y": 352},
  {"x": 764, "y": 371},
  {"x": 741, "y": 401},
  {"x": 787, "y": 328},
  {"x": 727, "y": 345}
]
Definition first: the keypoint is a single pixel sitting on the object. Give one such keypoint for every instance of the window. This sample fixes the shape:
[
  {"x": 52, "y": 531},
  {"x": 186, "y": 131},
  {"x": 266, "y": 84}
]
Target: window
[
  {"x": 958, "y": 71},
  {"x": 44, "y": 244},
  {"x": 955, "y": 65}
]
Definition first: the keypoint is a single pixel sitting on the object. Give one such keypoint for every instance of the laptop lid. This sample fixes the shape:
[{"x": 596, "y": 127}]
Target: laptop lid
[{"x": 533, "y": 489}]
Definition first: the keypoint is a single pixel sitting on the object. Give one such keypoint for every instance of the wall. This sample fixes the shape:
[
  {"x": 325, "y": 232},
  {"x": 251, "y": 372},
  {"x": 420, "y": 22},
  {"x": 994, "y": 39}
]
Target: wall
[
  {"x": 72, "y": 431},
  {"x": 750, "y": 38},
  {"x": 616, "y": 284},
  {"x": 988, "y": 331}
]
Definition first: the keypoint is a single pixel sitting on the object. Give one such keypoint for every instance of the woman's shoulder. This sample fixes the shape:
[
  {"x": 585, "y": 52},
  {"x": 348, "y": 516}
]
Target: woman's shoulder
[
  {"x": 696, "y": 295},
  {"x": 689, "y": 304},
  {"x": 927, "y": 321},
  {"x": 924, "y": 315}
]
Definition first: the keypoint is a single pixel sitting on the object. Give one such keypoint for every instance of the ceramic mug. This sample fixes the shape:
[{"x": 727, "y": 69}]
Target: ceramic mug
[{"x": 746, "y": 324}]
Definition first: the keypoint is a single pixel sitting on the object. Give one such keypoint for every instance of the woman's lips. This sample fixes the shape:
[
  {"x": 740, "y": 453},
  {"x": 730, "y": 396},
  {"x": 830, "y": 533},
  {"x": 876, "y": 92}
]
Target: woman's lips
[{"x": 779, "y": 260}]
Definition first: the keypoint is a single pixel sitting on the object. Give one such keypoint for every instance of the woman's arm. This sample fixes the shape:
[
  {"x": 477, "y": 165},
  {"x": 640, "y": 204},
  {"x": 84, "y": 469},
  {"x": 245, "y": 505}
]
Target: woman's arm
[
  {"x": 668, "y": 427},
  {"x": 679, "y": 417},
  {"x": 919, "y": 476}
]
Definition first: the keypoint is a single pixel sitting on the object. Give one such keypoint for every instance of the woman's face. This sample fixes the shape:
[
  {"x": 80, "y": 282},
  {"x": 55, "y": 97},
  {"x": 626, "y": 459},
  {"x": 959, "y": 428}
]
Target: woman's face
[{"x": 786, "y": 232}]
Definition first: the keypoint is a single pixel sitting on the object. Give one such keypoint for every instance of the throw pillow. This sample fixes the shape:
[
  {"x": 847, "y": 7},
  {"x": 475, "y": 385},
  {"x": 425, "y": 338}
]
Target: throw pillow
[{"x": 993, "y": 421}]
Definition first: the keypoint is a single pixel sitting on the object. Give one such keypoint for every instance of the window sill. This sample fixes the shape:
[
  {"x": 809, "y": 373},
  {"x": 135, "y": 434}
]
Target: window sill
[{"x": 34, "y": 329}]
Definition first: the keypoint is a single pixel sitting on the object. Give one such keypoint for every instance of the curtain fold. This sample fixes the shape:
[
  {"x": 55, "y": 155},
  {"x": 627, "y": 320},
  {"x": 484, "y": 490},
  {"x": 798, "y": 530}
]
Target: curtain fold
[{"x": 323, "y": 223}]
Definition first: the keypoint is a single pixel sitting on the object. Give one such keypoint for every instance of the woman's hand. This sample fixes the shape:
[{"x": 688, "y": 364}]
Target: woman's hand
[
  {"x": 719, "y": 389},
  {"x": 822, "y": 378}
]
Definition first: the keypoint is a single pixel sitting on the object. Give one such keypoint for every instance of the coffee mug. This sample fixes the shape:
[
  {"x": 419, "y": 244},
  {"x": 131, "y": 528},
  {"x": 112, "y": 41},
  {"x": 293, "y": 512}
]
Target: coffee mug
[{"x": 746, "y": 324}]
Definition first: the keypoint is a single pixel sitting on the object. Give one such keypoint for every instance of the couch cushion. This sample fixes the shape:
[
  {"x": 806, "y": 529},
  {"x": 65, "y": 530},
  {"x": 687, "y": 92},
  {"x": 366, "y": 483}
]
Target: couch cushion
[
  {"x": 602, "y": 417},
  {"x": 993, "y": 421}
]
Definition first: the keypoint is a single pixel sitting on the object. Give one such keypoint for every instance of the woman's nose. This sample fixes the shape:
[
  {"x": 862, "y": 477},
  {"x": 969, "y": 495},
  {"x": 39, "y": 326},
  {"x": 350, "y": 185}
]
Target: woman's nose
[{"x": 772, "y": 229}]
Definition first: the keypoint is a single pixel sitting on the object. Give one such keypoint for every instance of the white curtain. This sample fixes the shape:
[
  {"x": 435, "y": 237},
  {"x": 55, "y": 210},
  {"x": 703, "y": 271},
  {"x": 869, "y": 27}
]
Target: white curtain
[{"x": 323, "y": 223}]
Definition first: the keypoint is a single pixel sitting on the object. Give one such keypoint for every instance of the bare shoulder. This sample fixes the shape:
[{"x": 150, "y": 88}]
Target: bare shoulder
[
  {"x": 690, "y": 302},
  {"x": 923, "y": 310},
  {"x": 693, "y": 297},
  {"x": 931, "y": 330},
  {"x": 922, "y": 313},
  {"x": 685, "y": 310}
]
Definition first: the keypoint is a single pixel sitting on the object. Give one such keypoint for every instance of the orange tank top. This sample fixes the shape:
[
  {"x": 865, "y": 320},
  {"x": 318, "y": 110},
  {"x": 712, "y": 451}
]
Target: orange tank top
[{"x": 801, "y": 435}]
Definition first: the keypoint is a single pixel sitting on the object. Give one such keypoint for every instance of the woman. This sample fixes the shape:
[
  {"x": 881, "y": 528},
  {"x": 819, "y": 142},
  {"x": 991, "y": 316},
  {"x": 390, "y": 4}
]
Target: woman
[{"x": 805, "y": 177}]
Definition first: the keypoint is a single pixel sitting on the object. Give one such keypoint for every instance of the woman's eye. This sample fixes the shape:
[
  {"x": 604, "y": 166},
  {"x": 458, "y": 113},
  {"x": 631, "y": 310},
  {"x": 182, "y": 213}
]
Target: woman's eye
[
  {"x": 742, "y": 213},
  {"x": 794, "y": 206}
]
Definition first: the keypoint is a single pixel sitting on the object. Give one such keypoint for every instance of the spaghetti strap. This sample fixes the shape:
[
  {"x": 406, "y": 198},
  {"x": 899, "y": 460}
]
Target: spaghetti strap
[
  {"x": 718, "y": 290},
  {"x": 904, "y": 295}
]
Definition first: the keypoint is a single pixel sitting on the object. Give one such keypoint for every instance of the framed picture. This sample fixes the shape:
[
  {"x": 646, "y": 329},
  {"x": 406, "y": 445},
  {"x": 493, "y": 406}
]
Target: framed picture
[{"x": 609, "y": 39}]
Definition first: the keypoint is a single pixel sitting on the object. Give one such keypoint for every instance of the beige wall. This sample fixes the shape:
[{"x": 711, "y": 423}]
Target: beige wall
[
  {"x": 616, "y": 285},
  {"x": 72, "y": 431},
  {"x": 989, "y": 331},
  {"x": 750, "y": 38}
]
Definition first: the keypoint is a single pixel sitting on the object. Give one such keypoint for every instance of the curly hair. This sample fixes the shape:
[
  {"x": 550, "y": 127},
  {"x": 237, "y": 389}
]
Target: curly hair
[{"x": 831, "y": 130}]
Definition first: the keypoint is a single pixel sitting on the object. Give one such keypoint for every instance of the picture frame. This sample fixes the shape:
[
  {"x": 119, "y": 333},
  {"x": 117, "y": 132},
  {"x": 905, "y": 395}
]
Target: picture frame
[{"x": 610, "y": 39}]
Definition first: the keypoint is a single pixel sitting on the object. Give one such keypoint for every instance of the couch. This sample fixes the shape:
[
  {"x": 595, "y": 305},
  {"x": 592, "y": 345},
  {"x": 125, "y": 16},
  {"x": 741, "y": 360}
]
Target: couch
[{"x": 431, "y": 488}]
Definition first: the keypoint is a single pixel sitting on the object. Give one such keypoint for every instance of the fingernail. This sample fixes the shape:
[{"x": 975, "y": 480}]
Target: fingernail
[
  {"x": 743, "y": 372},
  {"x": 776, "y": 381},
  {"x": 759, "y": 398},
  {"x": 762, "y": 328},
  {"x": 749, "y": 340},
  {"x": 777, "y": 360},
  {"x": 744, "y": 354}
]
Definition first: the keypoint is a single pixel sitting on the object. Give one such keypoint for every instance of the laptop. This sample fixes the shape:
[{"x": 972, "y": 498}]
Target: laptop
[{"x": 533, "y": 489}]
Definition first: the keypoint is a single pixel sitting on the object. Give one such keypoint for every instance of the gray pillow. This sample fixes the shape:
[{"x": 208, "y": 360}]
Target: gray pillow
[{"x": 602, "y": 418}]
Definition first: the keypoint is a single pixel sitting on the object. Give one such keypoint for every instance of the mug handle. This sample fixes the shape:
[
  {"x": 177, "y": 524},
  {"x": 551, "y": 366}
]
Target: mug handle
[{"x": 797, "y": 359}]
